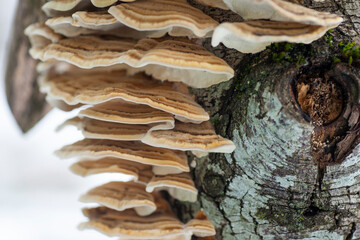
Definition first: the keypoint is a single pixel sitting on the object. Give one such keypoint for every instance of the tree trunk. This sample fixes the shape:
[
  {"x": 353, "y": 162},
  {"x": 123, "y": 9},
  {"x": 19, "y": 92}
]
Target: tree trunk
[
  {"x": 272, "y": 186},
  {"x": 288, "y": 178}
]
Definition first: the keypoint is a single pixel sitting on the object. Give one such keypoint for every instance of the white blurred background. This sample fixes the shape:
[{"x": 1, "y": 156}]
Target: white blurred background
[{"x": 38, "y": 193}]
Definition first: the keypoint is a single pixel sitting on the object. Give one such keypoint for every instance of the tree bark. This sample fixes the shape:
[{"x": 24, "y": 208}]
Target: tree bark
[
  {"x": 271, "y": 187},
  {"x": 275, "y": 185}
]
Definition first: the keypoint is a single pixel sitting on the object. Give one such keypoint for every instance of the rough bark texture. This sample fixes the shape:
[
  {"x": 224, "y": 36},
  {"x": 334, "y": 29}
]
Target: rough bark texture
[
  {"x": 26, "y": 103},
  {"x": 270, "y": 187}
]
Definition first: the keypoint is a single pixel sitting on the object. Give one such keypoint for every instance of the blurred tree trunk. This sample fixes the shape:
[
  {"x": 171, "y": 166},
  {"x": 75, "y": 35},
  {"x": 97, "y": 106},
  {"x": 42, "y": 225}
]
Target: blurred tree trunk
[
  {"x": 273, "y": 186},
  {"x": 26, "y": 103}
]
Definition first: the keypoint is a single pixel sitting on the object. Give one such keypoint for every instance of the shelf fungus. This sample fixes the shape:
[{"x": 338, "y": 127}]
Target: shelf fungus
[
  {"x": 56, "y": 7},
  {"x": 189, "y": 137},
  {"x": 147, "y": 18},
  {"x": 165, "y": 161},
  {"x": 183, "y": 136},
  {"x": 128, "y": 65},
  {"x": 172, "y": 59},
  {"x": 255, "y": 36},
  {"x": 179, "y": 186},
  {"x": 280, "y": 10},
  {"x": 95, "y": 23},
  {"x": 40, "y": 36},
  {"x": 162, "y": 224},
  {"x": 175, "y": 17},
  {"x": 137, "y": 171},
  {"x": 214, "y": 3},
  {"x": 99, "y": 87},
  {"x": 279, "y": 21},
  {"x": 96, "y": 129},
  {"x": 121, "y": 196},
  {"x": 119, "y": 111},
  {"x": 64, "y": 7}
]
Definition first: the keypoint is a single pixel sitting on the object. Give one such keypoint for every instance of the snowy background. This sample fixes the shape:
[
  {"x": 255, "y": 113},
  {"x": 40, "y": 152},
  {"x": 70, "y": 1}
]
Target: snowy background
[{"x": 38, "y": 193}]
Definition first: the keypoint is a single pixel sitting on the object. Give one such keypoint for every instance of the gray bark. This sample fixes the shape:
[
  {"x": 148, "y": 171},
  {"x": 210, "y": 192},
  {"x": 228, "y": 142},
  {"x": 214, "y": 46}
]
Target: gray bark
[{"x": 271, "y": 187}]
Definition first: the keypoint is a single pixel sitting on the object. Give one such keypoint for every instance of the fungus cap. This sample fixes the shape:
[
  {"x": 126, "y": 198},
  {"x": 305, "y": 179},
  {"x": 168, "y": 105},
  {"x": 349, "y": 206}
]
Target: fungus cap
[
  {"x": 128, "y": 225},
  {"x": 55, "y": 7},
  {"x": 175, "y": 17},
  {"x": 64, "y": 26},
  {"x": 139, "y": 172},
  {"x": 184, "y": 136},
  {"x": 40, "y": 35},
  {"x": 200, "y": 226},
  {"x": 151, "y": 18},
  {"x": 66, "y": 7},
  {"x": 94, "y": 88},
  {"x": 199, "y": 137},
  {"x": 121, "y": 196},
  {"x": 214, "y": 3},
  {"x": 179, "y": 186},
  {"x": 96, "y": 129},
  {"x": 160, "y": 225},
  {"x": 254, "y": 36},
  {"x": 166, "y": 161},
  {"x": 95, "y": 23},
  {"x": 279, "y": 10},
  {"x": 176, "y": 237},
  {"x": 98, "y": 20},
  {"x": 173, "y": 59},
  {"x": 120, "y": 111},
  {"x": 106, "y": 3}
]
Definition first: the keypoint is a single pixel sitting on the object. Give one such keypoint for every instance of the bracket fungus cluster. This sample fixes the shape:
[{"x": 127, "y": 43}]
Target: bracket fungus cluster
[
  {"x": 285, "y": 21},
  {"x": 128, "y": 63}
]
